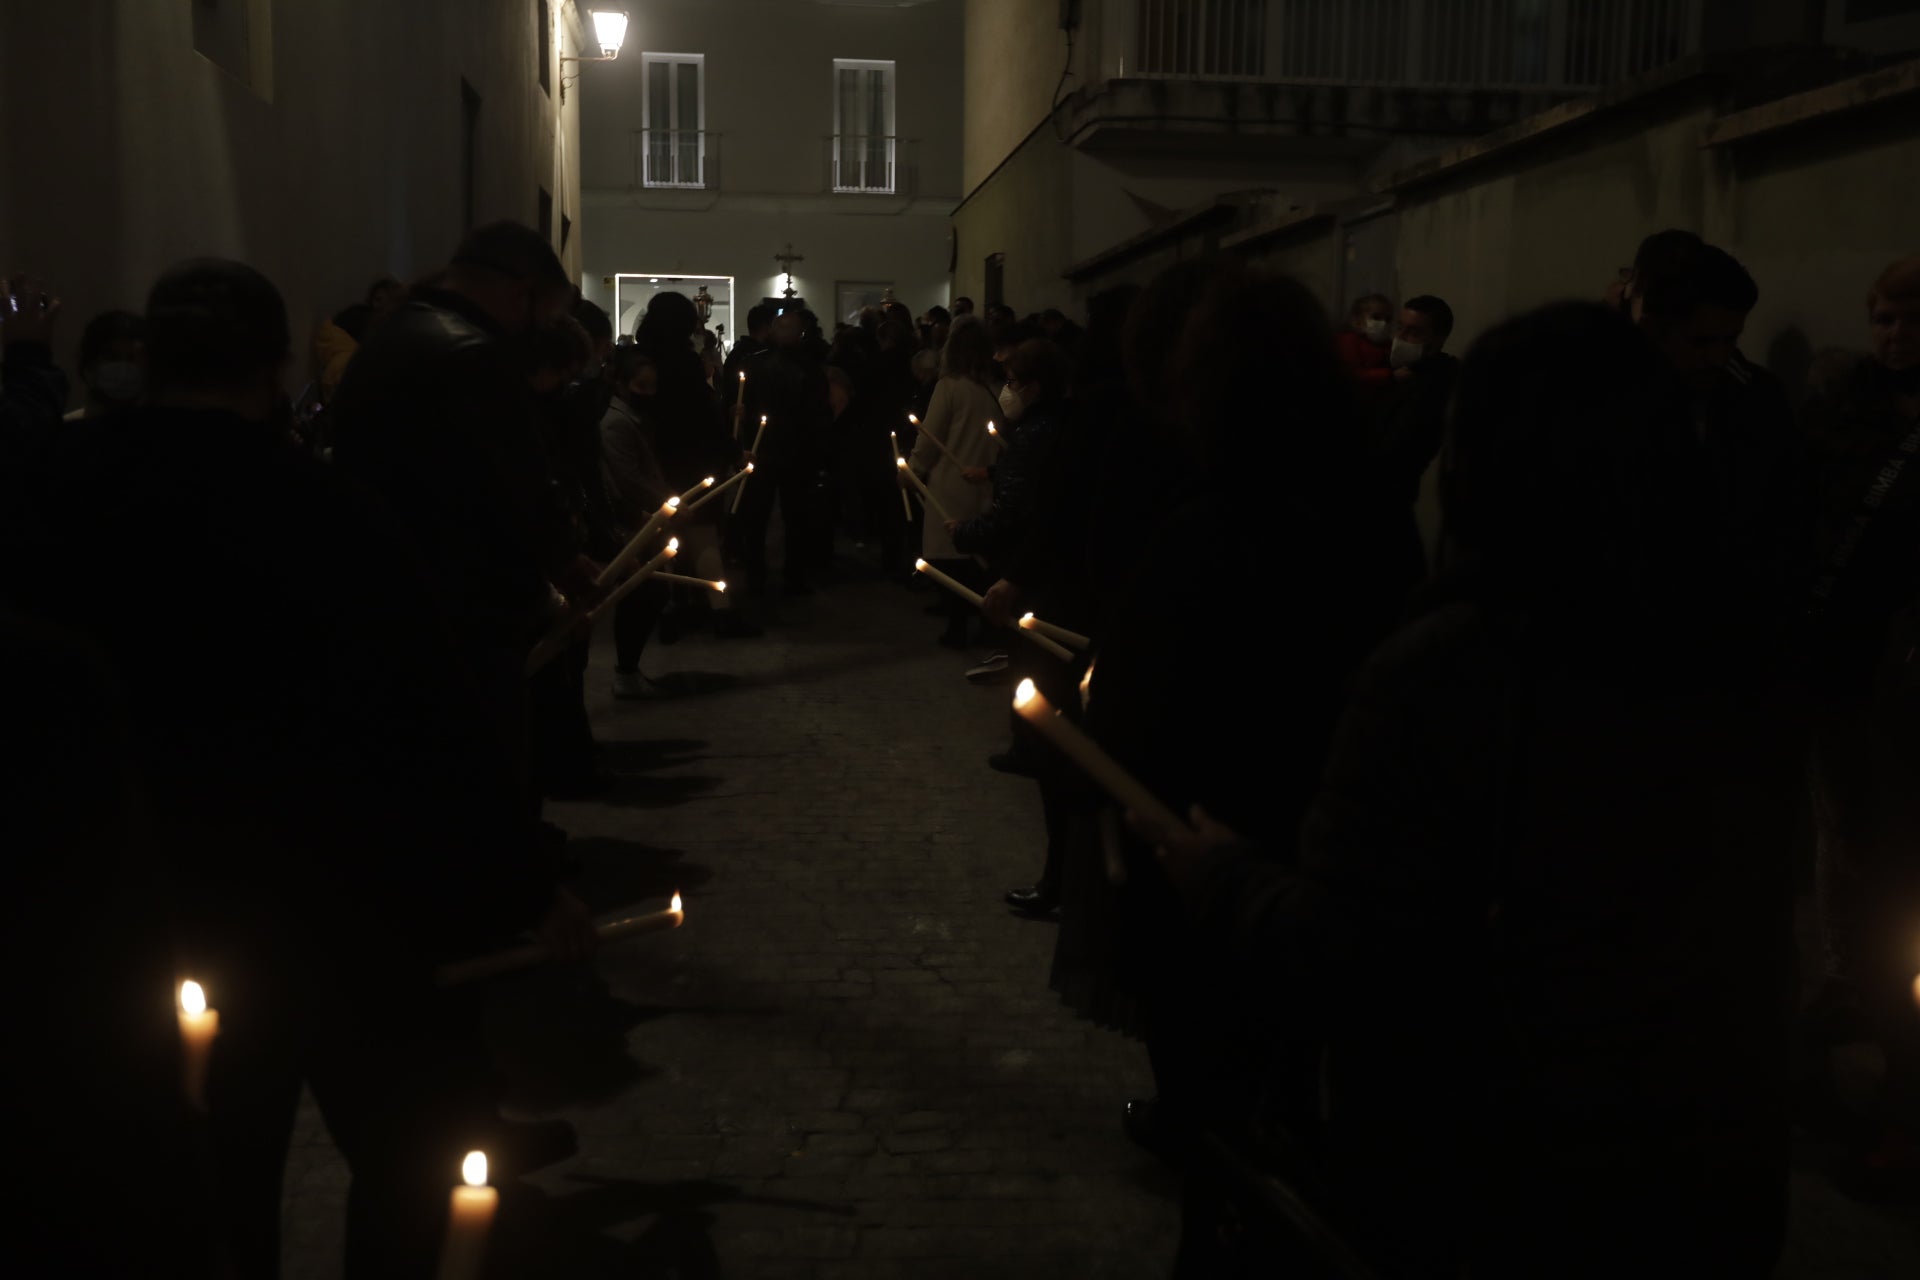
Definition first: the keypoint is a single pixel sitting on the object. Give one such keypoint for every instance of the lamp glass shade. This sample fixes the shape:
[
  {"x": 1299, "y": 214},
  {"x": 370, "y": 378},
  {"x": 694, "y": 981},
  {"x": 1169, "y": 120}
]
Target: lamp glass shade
[{"x": 610, "y": 29}]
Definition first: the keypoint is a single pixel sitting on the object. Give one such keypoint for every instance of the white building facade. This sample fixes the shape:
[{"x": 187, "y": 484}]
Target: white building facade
[{"x": 731, "y": 130}]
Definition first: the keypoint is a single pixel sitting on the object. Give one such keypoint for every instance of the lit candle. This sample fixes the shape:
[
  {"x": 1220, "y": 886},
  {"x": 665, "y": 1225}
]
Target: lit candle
[
  {"x": 198, "y": 1027},
  {"x": 906, "y": 508},
  {"x": 717, "y": 490},
  {"x": 469, "y": 1219},
  {"x": 926, "y": 496},
  {"x": 1073, "y": 639},
  {"x": 1086, "y": 687},
  {"x": 958, "y": 588},
  {"x": 937, "y": 441},
  {"x": 1105, "y": 771},
  {"x": 555, "y": 642},
  {"x": 525, "y": 957},
  {"x": 712, "y": 584},
  {"x": 637, "y": 543},
  {"x": 758, "y": 436},
  {"x": 639, "y": 576},
  {"x": 995, "y": 433},
  {"x": 1053, "y": 647}
]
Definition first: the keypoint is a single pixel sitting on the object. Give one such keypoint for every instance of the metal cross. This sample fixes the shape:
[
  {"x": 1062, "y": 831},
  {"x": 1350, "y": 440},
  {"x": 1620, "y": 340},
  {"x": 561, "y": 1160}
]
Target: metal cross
[{"x": 786, "y": 260}]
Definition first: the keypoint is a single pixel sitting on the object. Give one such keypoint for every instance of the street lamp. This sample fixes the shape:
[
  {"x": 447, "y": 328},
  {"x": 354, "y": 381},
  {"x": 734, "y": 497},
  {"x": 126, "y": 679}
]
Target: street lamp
[
  {"x": 609, "y": 32},
  {"x": 610, "y": 29}
]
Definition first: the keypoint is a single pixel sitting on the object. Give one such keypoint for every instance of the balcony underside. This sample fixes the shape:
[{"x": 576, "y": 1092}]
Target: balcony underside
[{"x": 1254, "y": 120}]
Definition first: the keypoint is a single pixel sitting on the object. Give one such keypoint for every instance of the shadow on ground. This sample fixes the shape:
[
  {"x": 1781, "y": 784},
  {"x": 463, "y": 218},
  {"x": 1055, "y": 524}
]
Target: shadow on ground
[{"x": 580, "y": 1234}]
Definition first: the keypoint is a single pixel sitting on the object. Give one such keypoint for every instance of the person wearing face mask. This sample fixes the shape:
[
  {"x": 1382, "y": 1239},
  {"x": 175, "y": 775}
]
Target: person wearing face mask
[
  {"x": 1364, "y": 343},
  {"x": 112, "y": 363},
  {"x": 1412, "y": 415},
  {"x": 1864, "y": 637}
]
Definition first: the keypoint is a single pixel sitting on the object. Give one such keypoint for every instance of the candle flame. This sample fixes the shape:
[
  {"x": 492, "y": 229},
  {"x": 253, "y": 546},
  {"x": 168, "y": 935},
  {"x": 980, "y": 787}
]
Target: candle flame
[
  {"x": 1026, "y": 620},
  {"x": 900, "y": 462},
  {"x": 676, "y": 904},
  {"x": 743, "y": 375},
  {"x": 673, "y": 546},
  {"x": 763, "y": 419},
  {"x": 1024, "y": 694},
  {"x": 721, "y": 587},
  {"x": 192, "y": 999},
  {"x": 912, "y": 421},
  {"x": 992, "y": 430},
  {"x": 1086, "y": 681},
  {"x": 707, "y": 483},
  {"x": 920, "y": 566},
  {"x": 473, "y": 1170},
  {"x": 749, "y": 466},
  {"x": 673, "y": 504}
]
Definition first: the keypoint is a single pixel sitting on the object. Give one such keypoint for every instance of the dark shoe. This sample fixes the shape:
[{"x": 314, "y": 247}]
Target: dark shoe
[
  {"x": 1037, "y": 901},
  {"x": 730, "y": 624},
  {"x": 991, "y": 670},
  {"x": 1011, "y": 762},
  {"x": 1150, "y": 1127}
]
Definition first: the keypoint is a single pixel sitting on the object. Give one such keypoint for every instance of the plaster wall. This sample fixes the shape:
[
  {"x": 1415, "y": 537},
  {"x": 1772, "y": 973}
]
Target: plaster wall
[{"x": 127, "y": 150}]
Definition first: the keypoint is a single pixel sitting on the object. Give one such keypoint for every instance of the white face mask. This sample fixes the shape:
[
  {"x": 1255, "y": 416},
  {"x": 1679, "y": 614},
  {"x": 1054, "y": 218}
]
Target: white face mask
[
  {"x": 1011, "y": 405},
  {"x": 1406, "y": 353},
  {"x": 1376, "y": 329}
]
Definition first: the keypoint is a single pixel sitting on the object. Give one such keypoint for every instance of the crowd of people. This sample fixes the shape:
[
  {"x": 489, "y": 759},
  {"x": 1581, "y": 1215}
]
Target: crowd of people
[{"x": 1479, "y": 930}]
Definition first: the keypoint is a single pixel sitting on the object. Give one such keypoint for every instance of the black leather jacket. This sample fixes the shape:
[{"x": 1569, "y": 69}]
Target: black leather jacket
[{"x": 435, "y": 413}]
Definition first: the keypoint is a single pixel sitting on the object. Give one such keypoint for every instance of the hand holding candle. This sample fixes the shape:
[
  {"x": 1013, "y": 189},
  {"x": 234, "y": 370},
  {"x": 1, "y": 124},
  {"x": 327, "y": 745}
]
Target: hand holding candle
[
  {"x": 198, "y": 1027},
  {"x": 469, "y": 1220},
  {"x": 525, "y": 957},
  {"x": 1126, "y": 790},
  {"x": 555, "y": 642}
]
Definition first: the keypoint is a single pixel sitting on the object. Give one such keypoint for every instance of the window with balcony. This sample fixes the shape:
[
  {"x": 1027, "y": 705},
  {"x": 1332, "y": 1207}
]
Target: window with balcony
[
  {"x": 673, "y": 138},
  {"x": 865, "y": 150}
]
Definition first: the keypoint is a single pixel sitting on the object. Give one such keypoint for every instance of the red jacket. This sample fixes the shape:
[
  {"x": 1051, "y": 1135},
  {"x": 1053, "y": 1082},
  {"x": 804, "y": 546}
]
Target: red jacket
[{"x": 1364, "y": 359}]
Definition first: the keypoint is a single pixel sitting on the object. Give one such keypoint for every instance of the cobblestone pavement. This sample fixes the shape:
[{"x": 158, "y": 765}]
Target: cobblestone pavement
[{"x": 847, "y": 1062}]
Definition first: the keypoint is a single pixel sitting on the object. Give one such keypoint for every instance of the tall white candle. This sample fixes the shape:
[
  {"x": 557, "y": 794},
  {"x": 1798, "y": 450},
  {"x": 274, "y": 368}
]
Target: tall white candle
[
  {"x": 711, "y": 584},
  {"x": 758, "y": 436},
  {"x": 469, "y": 1220},
  {"x": 555, "y": 642},
  {"x": 938, "y": 443},
  {"x": 637, "y": 543},
  {"x": 1128, "y": 791},
  {"x": 926, "y": 495},
  {"x": 525, "y": 957},
  {"x": 906, "y": 508},
  {"x": 717, "y": 490},
  {"x": 199, "y": 1025},
  {"x": 1072, "y": 639}
]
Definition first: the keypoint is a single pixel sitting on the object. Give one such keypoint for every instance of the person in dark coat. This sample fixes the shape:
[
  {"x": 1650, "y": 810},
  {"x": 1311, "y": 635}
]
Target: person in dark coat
[
  {"x": 1527, "y": 915},
  {"x": 1288, "y": 509},
  {"x": 793, "y": 395},
  {"x": 334, "y": 817},
  {"x": 1863, "y": 630},
  {"x": 1411, "y": 415},
  {"x": 33, "y": 390}
]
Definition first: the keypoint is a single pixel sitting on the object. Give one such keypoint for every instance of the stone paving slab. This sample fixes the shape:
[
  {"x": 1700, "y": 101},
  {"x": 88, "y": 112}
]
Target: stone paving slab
[
  {"x": 847, "y": 1064},
  {"x": 849, "y": 1049}
]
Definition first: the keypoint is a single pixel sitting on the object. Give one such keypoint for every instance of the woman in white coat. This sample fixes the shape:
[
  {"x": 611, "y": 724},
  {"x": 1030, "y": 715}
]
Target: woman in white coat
[{"x": 958, "y": 475}]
